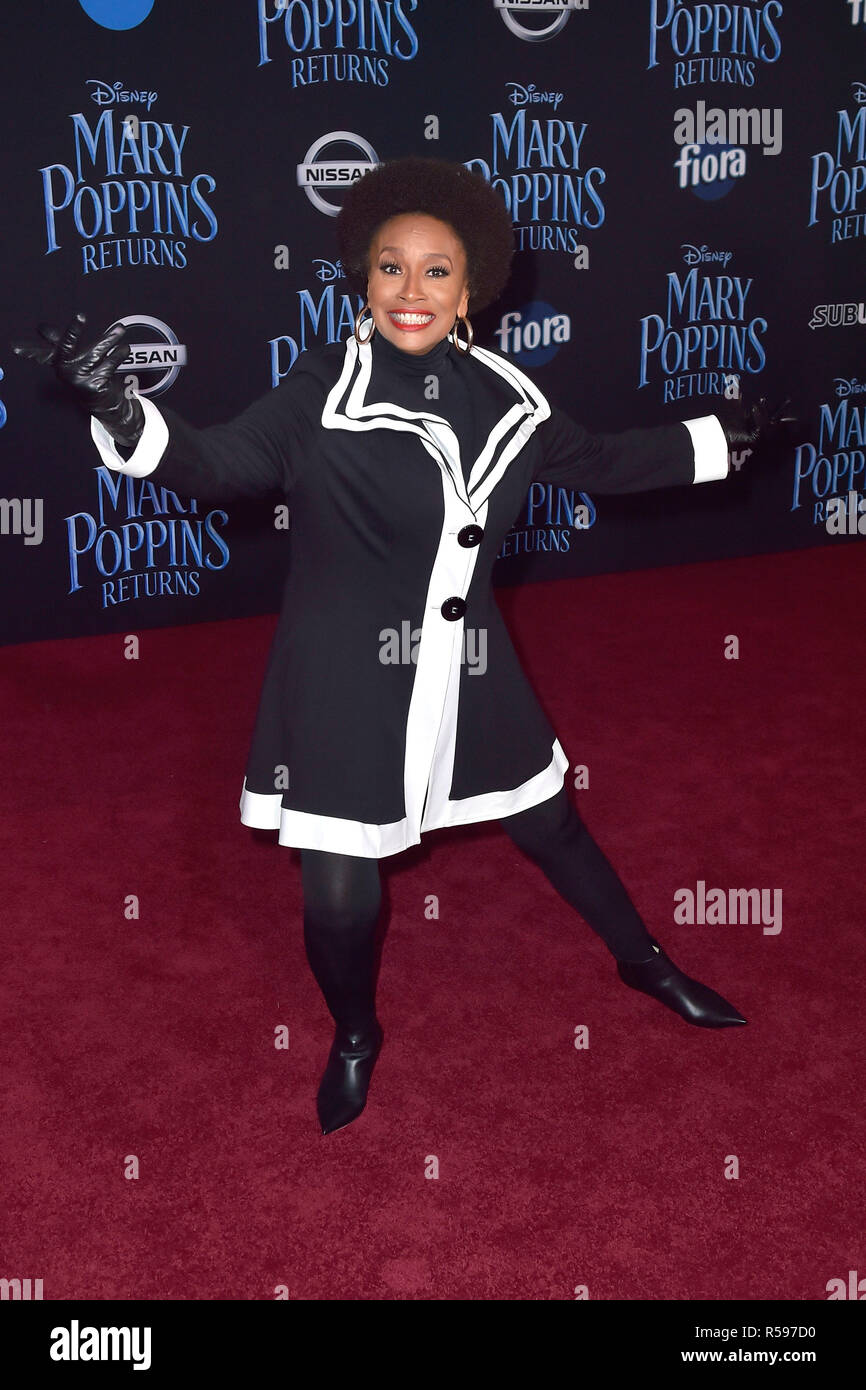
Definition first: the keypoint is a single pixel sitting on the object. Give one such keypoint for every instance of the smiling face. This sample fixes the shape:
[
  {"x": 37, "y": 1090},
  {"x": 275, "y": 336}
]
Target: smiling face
[{"x": 417, "y": 282}]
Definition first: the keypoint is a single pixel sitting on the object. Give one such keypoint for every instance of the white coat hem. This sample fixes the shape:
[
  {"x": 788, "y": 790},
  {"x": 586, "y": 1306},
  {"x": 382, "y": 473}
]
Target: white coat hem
[
  {"x": 496, "y": 805},
  {"x": 305, "y": 830}
]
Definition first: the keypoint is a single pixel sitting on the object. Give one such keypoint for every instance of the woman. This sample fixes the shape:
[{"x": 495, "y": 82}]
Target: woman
[{"x": 407, "y": 452}]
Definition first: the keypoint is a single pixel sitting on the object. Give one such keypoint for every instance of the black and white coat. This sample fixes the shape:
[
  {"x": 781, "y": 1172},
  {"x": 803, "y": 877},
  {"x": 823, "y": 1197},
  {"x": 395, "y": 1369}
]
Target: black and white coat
[{"x": 393, "y": 532}]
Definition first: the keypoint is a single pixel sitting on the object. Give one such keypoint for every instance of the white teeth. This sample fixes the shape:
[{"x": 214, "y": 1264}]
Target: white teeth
[{"x": 413, "y": 318}]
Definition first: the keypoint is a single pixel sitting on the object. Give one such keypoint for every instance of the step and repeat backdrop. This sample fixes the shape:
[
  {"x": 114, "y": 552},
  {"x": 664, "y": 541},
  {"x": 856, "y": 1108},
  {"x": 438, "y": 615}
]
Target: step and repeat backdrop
[{"x": 687, "y": 185}]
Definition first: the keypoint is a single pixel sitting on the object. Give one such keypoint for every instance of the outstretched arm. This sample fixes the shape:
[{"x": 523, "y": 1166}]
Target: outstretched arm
[
  {"x": 633, "y": 460},
  {"x": 262, "y": 450}
]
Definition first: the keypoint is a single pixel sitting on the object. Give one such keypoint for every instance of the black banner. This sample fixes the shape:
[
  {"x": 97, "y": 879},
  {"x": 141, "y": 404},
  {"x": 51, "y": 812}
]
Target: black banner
[{"x": 687, "y": 184}]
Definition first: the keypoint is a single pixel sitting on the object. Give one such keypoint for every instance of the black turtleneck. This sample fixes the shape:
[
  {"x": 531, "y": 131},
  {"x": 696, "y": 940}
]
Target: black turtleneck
[{"x": 412, "y": 379}]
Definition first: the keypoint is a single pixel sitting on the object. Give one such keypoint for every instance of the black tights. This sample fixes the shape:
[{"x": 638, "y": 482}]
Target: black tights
[
  {"x": 556, "y": 839},
  {"x": 343, "y": 897}
]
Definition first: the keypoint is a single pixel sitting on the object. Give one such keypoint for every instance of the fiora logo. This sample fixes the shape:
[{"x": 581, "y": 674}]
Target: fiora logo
[
  {"x": 117, "y": 14},
  {"x": 709, "y": 170},
  {"x": 165, "y": 357},
  {"x": 515, "y": 14},
  {"x": 334, "y": 174},
  {"x": 533, "y": 333}
]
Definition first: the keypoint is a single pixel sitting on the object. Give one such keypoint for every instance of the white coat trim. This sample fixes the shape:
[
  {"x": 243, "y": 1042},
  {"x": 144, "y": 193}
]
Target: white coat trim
[
  {"x": 710, "y": 444},
  {"x": 431, "y": 726},
  {"x": 346, "y": 407},
  {"x": 147, "y": 452},
  {"x": 495, "y": 805},
  {"x": 303, "y": 830}
]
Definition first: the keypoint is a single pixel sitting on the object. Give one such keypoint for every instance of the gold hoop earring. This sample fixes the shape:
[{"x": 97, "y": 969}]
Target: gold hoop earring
[
  {"x": 360, "y": 314},
  {"x": 464, "y": 351}
]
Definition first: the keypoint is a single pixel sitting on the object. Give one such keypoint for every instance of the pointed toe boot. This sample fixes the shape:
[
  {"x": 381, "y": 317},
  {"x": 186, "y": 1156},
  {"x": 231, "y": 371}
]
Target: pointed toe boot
[
  {"x": 343, "y": 1089},
  {"x": 694, "y": 1002}
]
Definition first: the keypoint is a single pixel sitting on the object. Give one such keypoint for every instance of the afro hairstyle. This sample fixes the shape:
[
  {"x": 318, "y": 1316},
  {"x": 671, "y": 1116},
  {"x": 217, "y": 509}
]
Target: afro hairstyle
[{"x": 438, "y": 188}]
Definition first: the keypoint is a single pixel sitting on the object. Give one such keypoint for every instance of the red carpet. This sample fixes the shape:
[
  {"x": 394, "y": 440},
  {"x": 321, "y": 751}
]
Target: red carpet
[{"x": 557, "y": 1168}]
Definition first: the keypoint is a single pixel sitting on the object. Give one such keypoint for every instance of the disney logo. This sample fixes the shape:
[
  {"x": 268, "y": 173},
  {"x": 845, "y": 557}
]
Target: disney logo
[
  {"x": 522, "y": 96},
  {"x": 694, "y": 255},
  {"x": 846, "y": 386},
  {"x": 859, "y": 92},
  {"x": 106, "y": 94},
  {"x": 330, "y": 270}
]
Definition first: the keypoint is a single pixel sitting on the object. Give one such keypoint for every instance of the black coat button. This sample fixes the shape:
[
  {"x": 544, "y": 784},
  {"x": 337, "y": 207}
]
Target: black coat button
[
  {"x": 453, "y": 608},
  {"x": 470, "y": 535}
]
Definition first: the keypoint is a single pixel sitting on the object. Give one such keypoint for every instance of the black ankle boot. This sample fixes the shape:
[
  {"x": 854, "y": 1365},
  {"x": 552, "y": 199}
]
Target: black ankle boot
[
  {"x": 343, "y": 1088},
  {"x": 694, "y": 1002}
]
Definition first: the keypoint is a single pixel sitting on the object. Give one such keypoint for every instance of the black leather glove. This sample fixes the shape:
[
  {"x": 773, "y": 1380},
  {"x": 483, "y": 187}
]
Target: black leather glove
[
  {"x": 91, "y": 373},
  {"x": 747, "y": 425}
]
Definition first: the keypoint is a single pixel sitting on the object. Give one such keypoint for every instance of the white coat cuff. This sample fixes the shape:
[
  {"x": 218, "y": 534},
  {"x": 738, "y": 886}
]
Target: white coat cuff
[
  {"x": 147, "y": 452},
  {"x": 710, "y": 444}
]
